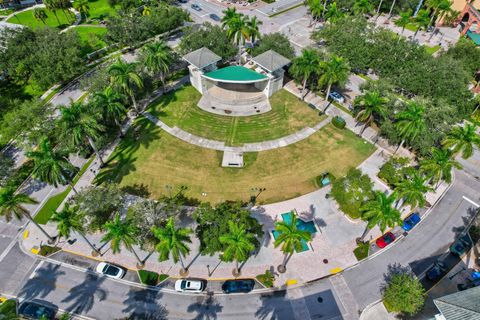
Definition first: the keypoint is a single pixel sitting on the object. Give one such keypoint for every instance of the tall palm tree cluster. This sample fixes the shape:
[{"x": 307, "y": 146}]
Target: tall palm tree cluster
[
  {"x": 431, "y": 169},
  {"x": 435, "y": 10},
  {"x": 82, "y": 124},
  {"x": 241, "y": 28},
  {"x": 315, "y": 70}
]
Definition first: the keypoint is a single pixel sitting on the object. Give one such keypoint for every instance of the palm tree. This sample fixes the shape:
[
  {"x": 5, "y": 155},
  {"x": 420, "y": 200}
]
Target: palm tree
[
  {"x": 124, "y": 76},
  {"x": 238, "y": 31},
  {"x": 404, "y": 19},
  {"x": 78, "y": 123},
  {"x": 40, "y": 14},
  {"x": 439, "y": 165},
  {"x": 440, "y": 9},
  {"x": 228, "y": 15},
  {"x": 290, "y": 238},
  {"x": 380, "y": 211},
  {"x": 158, "y": 57},
  {"x": 305, "y": 65},
  {"x": 173, "y": 241},
  {"x": 462, "y": 139},
  {"x": 316, "y": 10},
  {"x": 412, "y": 190},
  {"x": 52, "y": 5},
  {"x": 120, "y": 233},
  {"x": 391, "y": 9},
  {"x": 332, "y": 14},
  {"x": 334, "y": 71},
  {"x": 52, "y": 166},
  {"x": 421, "y": 21},
  {"x": 82, "y": 7},
  {"x": 362, "y": 7},
  {"x": 69, "y": 220},
  {"x": 108, "y": 102},
  {"x": 11, "y": 205},
  {"x": 410, "y": 122},
  {"x": 253, "y": 25},
  {"x": 239, "y": 244},
  {"x": 370, "y": 104}
]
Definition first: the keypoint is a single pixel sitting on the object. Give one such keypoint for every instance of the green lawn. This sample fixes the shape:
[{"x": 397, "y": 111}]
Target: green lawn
[
  {"x": 432, "y": 50},
  {"x": 91, "y": 37},
  {"x": 148, "y": 155},
  {"x": 411, "y": 27},
  {"x": 288, "y": 115},
  {"x": 52, "y": 204},
  {"x": 100, "y": 10},
  {"x": 26, "y": 18}
]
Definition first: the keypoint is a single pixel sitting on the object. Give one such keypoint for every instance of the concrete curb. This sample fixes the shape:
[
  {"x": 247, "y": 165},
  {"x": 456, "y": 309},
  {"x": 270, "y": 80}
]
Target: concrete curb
[{"x": 402, "y": 236}]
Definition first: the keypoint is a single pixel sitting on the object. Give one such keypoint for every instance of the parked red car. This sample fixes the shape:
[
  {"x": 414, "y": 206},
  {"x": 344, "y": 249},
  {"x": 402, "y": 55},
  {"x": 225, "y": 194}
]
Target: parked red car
[{"x": 385, "y": 240}]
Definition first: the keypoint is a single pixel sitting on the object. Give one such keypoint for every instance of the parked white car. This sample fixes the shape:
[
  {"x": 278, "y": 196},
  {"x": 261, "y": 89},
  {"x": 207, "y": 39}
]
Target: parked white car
[
  {"x": 110, "y": 270},
  {"x": 188, "y": 285}
]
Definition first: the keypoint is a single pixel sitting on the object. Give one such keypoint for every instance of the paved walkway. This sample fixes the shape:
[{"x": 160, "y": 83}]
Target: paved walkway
[
  {"x": 247, "y": 147},
  {"x": 369, "y": 134},
  {"x": 445, "y": 37}
]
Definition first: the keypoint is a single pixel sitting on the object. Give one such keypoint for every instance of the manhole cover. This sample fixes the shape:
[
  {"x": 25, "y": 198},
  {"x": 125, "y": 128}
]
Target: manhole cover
[
  {"x": 320, "y": 299},
  {"x": 325, "y": 261}
]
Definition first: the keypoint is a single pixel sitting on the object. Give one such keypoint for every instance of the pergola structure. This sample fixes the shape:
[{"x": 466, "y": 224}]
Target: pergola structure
[{"x": 236, "y": 90}]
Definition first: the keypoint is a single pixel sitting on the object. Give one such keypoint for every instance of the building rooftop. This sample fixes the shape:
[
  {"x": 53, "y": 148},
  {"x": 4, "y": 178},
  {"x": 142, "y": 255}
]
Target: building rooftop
[
  {"x": 462, "y": 305},
  {"x": 201, "y": 58},
  {"x": 235, "y": 74},
  {"x": 271, "y": 61}
]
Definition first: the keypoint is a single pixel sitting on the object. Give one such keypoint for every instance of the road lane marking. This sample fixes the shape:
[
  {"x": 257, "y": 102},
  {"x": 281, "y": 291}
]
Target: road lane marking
[
  {"x": 471, "y": 201},
  {"x": 34, "y": 273}
]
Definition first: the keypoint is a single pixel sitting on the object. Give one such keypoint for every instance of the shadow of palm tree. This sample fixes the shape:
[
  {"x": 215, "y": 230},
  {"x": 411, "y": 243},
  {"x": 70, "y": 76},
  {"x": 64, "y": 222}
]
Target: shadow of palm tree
[
  {"x": 143, "y": 304},
  {"x": 206, "y": 307},
  {"x": 122, "y": 161},
  {"x": 270, "y": 306},
  {"x": 42, "y": 283},
  {"x": 83, "y": 296}
]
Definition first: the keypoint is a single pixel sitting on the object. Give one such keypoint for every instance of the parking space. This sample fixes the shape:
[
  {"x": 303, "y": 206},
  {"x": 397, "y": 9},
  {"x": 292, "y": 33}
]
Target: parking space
[{"x": 89, "y": 264}]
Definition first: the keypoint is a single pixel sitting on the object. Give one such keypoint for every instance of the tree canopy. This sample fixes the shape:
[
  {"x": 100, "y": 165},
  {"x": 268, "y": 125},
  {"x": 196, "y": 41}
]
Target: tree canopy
[
  {"x": 43, "y": 56},
  {"x": 277, "y": 42},
  {"x": 130, "y": 27},
  {"x": 404, "y": 293},
  {"x": 213, "y": 223},
  {"x": 209, "y": 36},
  {"x": 352, "y": 191}
]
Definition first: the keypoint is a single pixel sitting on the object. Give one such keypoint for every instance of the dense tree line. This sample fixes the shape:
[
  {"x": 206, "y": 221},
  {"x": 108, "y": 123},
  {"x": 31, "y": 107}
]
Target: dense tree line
[
  {"x": 43, "y": 56},
  {"x": 132, "y": 26},
  {"x": 406, "y": 65}
]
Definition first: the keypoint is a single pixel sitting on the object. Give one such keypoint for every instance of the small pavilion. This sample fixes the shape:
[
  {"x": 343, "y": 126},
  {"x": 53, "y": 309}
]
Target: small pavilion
[{"x": 236, "y": 90}]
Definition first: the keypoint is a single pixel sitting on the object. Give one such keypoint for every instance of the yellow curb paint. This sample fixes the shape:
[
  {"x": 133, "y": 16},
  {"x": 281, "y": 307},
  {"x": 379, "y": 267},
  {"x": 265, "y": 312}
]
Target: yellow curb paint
[
  {"x": 336, "y": 270},
  {"x": 35, "y": 250},
  {"x": 2, "y": 299},
  {"x": 83, "y": 255},
  {"x": 291, "y": 282},
  {"x": 26, "y": 234}
]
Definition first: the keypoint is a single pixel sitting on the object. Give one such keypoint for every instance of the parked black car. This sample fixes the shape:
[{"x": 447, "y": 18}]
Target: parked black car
[
  {"x": 33, "y": 310},
  {"x": 238, "y": 285},
  {"x": 437, "y": 271}
]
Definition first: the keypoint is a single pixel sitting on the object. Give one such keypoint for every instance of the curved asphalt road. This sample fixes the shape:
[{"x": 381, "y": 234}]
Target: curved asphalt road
[{"x": 338, "y": 297}]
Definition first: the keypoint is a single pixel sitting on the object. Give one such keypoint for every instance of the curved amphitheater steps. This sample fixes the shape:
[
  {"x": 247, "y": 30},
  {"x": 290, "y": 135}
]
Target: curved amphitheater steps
[{"x": 247, "y": 147}]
